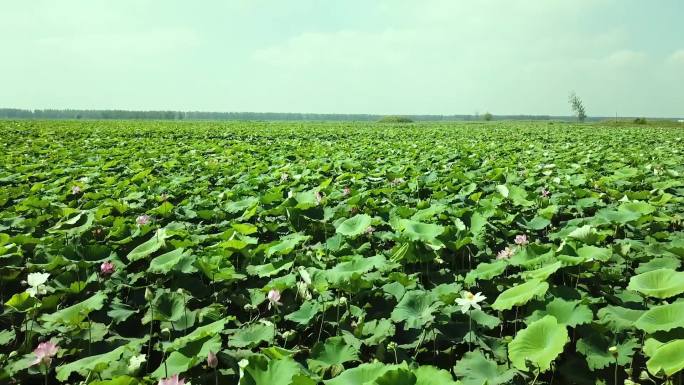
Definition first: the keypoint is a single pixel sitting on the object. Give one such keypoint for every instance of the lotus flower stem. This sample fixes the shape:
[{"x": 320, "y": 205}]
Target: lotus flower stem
[
  {"x": 320, "y": 328},
  {"x": 536, "y": 376},
  {"x": 185, "y": 311},
  {"x": 90, "y": 336},
  {"x": 515, "y": 322},
  {"x": 470, "y": 328},
  {"x": 337, "y": 307},
  {"x": 149, "y": 343}
]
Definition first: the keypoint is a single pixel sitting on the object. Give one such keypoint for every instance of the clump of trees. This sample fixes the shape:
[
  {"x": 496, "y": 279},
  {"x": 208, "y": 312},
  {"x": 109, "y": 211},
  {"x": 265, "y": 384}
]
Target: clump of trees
[
  {"x": 577, "y": 106},
  {"x": 487, "y": 116},
  {"x": 640, "y": 121},
  {"x": 395, "y": 119}
]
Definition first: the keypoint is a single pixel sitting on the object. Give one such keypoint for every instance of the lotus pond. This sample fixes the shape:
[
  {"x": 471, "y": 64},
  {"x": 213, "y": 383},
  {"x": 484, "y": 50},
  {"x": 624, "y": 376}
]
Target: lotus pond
[{"x": 294, "y": 253}]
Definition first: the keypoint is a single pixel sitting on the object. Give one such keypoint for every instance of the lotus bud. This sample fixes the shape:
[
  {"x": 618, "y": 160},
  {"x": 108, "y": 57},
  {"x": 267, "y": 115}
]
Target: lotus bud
[
  {"x": 212, "y": 360},
  {"x": 613, "y": 351},
  {"x": 148, "y": 294},
  {"x": 343, "y": 300},
  {"x": 288, "y": 334},
  {"x": 166, "y": 331}
]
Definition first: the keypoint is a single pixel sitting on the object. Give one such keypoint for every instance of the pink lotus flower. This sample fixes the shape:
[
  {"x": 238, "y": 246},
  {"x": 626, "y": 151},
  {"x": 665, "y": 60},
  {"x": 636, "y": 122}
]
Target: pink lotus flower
[
  {"x": 143, "y": 219},
  {"x": 370, "y": 230},
  {"x": 44, "y": 353},
  {"x": 75, "y": 190},
  {"x": 521, "y": 240},
  {"x": 212, "y": 360},
  {"x": 505, "y": 253},
  {"x": 173, "y": 380},
  {"x": 107, "y": 268},
  {"x": 545, "y": 193},
  {"x": 319, "y": 197},
  {"x": 346, "y": 191},
  {"x": 273, "y": 298}
]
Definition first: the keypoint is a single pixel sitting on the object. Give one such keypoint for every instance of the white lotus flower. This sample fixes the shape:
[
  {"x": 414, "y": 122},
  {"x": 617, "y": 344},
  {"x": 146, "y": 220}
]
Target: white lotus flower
[
  {"x": 242, "y": 364},
  {"x": 469, "y": 300},
  {"x": 135, "y": 362},
  {"x": 36, "y": 282}
]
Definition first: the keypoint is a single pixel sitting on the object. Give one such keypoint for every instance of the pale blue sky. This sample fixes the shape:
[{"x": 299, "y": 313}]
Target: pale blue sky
[{"x": 353, "y": 56}]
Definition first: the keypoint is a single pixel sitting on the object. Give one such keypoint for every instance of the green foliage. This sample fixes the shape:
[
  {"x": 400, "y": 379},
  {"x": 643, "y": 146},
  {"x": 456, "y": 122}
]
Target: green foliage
[
  {"x": 333, "y": 253},
  {"x": 540, "y": 343},
  {"x": 395, "y": 119}
]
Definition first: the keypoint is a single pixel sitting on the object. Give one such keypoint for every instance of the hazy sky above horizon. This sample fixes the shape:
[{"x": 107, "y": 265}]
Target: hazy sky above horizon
[{"x": 354, "y": 56}]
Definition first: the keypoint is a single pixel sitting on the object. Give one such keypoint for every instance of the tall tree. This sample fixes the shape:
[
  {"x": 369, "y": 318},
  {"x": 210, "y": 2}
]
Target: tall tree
[{"x": 577, "y": 106}]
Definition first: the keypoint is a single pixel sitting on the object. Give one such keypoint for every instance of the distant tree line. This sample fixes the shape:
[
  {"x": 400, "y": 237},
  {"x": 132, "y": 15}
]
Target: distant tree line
[{"x": 15, "y": 113}]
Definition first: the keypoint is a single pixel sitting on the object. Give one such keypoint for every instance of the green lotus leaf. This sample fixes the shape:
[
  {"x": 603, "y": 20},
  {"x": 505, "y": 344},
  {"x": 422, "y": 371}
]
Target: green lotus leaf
[
  {"x": 96, "y": 363},
  {"x": 430, "y": 375},
  {"x": 356, "y": 265},
  {"x": 416, "y": 308},
  {"x": 591, "y": 253},
  {"x": 148, "y": 247},
  {"x": 269, "y": 269},
  {"x": 355, "y": 225},
  {"x": 481, "y": 318},
  {"x": 659, "y": 263},
  {"x": 252, "y": 335},
  {"x": 596, "y": 350},
  {"x": 540, "y": 343},
  {"x": 660, "y": 283},
  {"x": 619, "y": 318},
  {"x": 305, "y": 313},
  {"x": 75, "y": 314},
  {"x": 364, "y": 374},
  {"x": 241, "y": 205},
  {"x": 286, "y": 244},
  {"x": 177, "y": 259},
  {"x": 485, "y": 271},
  {"x": 334, "y": 352},
  {"x": 538, "y": 223},
  {"x": 399, "y": 376},
  {"x": 22, "y": 301},
  {"x": 168, "y": 306},
  {"x": 376, "y": 331},
  {"x": 542, "y": 273},
  {"x": 191, "y": 355},
  {"x": 476, "y": 369},
  {"x": 118, "y": 380},
  {"x": 668, "y": 359},
  {"x": 568, "y": 313},
  {"x": 76, "y": 225},
  {"x": 662, "y": 318},
  {"x": 503, "y": 190},
  {"x": 208, "y": 330},
  {"x": 520, "y": 295},
  {"x": 585, "y": 234},
  {"x": 261, "y": 371},
  {"x": 419, "y": 231}
]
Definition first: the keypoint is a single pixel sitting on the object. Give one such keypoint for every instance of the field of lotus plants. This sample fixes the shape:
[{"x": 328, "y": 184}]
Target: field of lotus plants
[{"x": 293, "y": 253}]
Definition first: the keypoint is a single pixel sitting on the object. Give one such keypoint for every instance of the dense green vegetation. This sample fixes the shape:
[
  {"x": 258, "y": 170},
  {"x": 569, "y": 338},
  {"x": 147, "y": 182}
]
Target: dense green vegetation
[
  {"x": 395, "y": 119},
  {"x": 340, "y": 253}
]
